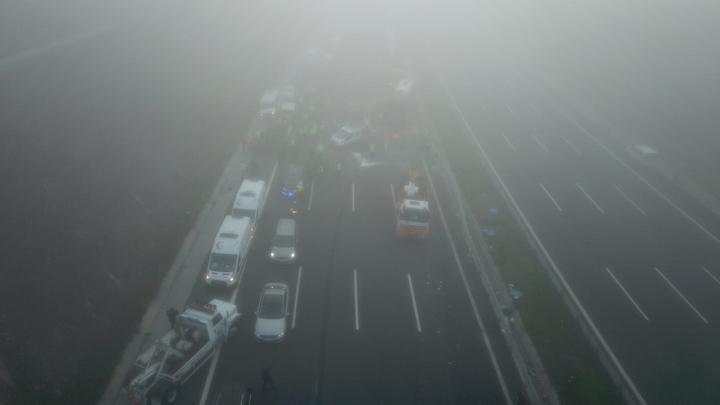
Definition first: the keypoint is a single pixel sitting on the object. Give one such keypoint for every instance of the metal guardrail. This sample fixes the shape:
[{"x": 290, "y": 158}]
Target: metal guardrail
[{"x": 537, "y": 385}]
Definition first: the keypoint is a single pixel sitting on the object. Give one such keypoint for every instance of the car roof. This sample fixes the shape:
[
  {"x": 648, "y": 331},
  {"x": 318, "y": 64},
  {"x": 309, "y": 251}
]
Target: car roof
[
  {"x": 230, "y": 235},
  {"x": 249, "y": 194},
  {"x": 286, "y": 226}
]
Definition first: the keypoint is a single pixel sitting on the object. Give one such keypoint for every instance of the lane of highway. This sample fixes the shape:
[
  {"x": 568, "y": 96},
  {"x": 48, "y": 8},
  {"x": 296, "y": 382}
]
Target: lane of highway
[
  {"x": 592, "y": 214},
  {"x": 378, "y": 319}
]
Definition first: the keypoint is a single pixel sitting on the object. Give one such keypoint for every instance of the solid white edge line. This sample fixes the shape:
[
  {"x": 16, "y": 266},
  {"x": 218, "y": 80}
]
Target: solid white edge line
[
  {"x": 297, "y": 295},
  {"x": 310, "y": 197},
  {"x": 507, "y": 140},
  {"x": 628, "y": 199},
  {"x": 542, "y": 186},
  {"x": 687, "y": 301},
  {"x": 414, "y": 304},
  {"x": 537, "y": 140},
  {"x": 468, "y": 291},
  {"x": 355, "y": 288},
  {"x": 582, "y": 190},
  {"x": 209, "y": 378},
  {"x": 631, "y": 170},
  {"x": 627, "y": 294},
  {"x": 546, "y": 254},
  {"x": 352, "y": 192},
  {"x": 712, "y": 276},
  {"x": 392, "y": 193}
]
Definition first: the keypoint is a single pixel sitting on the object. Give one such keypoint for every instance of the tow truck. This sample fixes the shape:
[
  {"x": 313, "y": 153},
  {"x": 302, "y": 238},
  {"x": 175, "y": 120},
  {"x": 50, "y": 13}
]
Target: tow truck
[
  {"x": 197, "y": 334},
  {"x": 413, "y": 212}
]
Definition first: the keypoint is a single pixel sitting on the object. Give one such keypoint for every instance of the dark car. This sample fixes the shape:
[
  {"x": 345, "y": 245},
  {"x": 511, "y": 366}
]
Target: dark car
[{"x": 293, "y": 184}]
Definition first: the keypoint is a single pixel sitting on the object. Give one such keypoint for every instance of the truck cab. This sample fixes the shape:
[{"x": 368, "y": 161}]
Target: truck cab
[
  {"x": 197, "y": 334},
  {"x": 413, "y": 213}
]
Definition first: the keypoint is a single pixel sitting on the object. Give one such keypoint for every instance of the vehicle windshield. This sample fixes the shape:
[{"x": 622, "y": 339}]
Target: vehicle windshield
[
  {"x": 283, "y": 241},
  {"x": 272, "y": 306},
  {"x": 223, "y": 262},
  {"x": 415, "y": 215},
  {"x": 244, "y": 212}
]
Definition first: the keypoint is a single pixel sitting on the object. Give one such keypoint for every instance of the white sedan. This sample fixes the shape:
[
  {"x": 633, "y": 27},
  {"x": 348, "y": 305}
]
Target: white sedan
[
  {"x": 348, "y": 134},
  {"x": 272, "y": 313}
]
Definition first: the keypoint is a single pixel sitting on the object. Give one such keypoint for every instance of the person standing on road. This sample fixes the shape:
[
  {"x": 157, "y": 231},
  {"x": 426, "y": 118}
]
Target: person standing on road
[
  {"x": 172, "y": 315},
  {"x": 267, "y": 380}
]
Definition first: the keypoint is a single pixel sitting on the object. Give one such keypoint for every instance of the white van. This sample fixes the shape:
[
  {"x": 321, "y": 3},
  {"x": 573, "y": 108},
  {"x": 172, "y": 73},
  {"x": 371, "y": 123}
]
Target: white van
[
  {"x": 249, "y": 200},
  {"x": 268, "y": 103},
  {"x": 229, "y": 251}
]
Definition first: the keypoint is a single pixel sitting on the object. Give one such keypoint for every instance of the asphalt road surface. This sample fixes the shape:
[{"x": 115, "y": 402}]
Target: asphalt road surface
[
  {"x": 641, "y": 256},
  {"x": 373, "y": 319}
]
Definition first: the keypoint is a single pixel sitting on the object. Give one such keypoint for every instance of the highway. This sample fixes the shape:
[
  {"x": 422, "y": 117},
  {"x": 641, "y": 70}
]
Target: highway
[
  {"x": 641, "y": 256},
  {"x": 374, "y": 319}
]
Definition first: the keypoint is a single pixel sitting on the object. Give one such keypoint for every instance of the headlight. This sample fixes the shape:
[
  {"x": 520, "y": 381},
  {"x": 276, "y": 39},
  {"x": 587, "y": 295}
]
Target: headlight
[
  {"x": 292, "y": 255},
  {"x": 231, "y": 279},
  {"x": 272, "y": 254},
  {"x": 207, "y": 276}
]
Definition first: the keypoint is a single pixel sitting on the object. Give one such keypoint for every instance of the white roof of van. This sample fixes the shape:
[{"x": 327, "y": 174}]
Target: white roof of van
[
  {"x": 269, "y": 96},
  {"x": 249, "y": 194},
  {"x": 416, "y": 204},
  {"x": 230, "y": 234}
]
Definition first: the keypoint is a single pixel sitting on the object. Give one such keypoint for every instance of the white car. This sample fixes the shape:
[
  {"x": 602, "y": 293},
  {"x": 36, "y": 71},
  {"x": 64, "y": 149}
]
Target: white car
[
  {"x": 272, "y": 313},
  {"x": 348, "y": 134}
]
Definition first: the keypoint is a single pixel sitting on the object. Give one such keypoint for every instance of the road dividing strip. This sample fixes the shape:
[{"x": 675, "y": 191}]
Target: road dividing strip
[
  {"x": 468, "y": 292},
  {"x": 392, "y": 193},
  {"x": 297, "y": 295},
  {"x": 507, "y": 140},
  {"x": 629, "y": 383},
  {"x": 312, "y": 188},
  {"x": 627, "y": 294},
  {"x": 571, "y": 146},
  {"x": 414, "y": 304},
  {"x": 628, "y": 199},
  {"x": 681, "y": 295},
  {"x": 352, "y": 195},
  {"x": 597, "y": 206},
  {"x": 547, "y": 193},
  {"x": 712, "y": 276},
  {"x": 355, "y": 290},
  {"x": 537, "y": 140}
]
